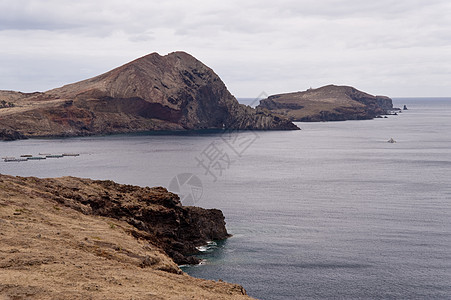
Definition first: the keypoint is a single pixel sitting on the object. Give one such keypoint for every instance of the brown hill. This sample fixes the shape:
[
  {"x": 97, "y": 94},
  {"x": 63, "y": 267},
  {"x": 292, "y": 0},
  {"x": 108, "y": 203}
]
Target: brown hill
[
  {"x": 71, "y": 238},
  {"x": 172, "y": 92},
  {"x": 328, "y": 103}
]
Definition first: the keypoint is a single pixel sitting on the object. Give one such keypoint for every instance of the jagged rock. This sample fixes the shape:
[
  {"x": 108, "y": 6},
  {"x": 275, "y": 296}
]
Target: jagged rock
[
  {"x": 10, "y": 135},
  {"x": 172, "y": 92},
  {"x": 328, "y": 103},
  {"x": 50, "y": 251},
  {"x": 174, "y": 228}
]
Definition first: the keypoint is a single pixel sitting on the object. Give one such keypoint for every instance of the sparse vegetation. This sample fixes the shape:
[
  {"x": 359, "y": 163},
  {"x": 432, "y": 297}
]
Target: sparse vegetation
[
  {"x": 4, "y": 104},
  {"x": 49, "y": 249}
]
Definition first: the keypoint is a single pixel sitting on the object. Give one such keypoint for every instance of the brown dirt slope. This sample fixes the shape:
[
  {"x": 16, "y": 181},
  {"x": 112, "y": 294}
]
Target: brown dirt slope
[
  {"x": 154, "y": 92},
  {"x": 49, "y": 250},
  {"x": 328, "y": 103}
]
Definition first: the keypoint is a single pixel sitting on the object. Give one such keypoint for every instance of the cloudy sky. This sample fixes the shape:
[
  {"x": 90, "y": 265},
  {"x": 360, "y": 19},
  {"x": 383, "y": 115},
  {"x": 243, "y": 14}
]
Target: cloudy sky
[{"x": 390, "y": 47}]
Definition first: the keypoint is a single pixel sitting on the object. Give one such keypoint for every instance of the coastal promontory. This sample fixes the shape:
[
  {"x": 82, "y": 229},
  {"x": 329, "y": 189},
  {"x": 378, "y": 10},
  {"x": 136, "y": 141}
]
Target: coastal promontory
[
  {"x": 154, "y": 92},
  {"x": 328, "y": 103},
  {"x": 72, "y": 238}
]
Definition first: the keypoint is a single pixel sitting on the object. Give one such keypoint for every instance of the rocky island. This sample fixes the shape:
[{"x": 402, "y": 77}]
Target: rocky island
[
  {"x": 328, "y": 103},
  {"x": 154, "y": 92},
  {"x": 72, "y": 238}
]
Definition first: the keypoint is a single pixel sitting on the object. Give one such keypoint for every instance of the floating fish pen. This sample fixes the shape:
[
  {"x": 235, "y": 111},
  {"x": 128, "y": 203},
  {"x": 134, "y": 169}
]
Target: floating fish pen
[
  {"x": 41, "y": 156},
  {"x": 12, "y": 159},
  {"x": 36, "y": 158},
  {"x": 71, "y": 154}
]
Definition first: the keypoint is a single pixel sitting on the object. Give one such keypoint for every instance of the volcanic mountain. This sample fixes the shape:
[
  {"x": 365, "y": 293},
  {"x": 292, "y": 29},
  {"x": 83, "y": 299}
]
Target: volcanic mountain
[
  {"x": 172, "y": 92},
  {"x": 328, "y": 103}
]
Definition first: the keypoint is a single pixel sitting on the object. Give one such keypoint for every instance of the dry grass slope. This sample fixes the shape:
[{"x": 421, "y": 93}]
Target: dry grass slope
[{"x": 50, "y": 251}]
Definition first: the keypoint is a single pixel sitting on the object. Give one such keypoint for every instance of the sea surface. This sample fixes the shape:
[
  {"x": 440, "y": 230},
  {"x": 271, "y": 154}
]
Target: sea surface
[{"x": 329, "y": 212}]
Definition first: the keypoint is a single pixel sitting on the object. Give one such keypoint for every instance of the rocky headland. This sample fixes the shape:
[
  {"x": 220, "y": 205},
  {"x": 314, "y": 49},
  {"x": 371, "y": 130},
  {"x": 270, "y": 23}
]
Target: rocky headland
[
  {"x": 154, "y": 92},
  {"x": 328, "y": 103},
  {"x": 72, "y": 238}
]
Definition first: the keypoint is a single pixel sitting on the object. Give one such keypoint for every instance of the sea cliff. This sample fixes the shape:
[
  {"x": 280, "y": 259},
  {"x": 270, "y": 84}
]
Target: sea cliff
[
  {"x": 77, "y": 238},
  {"x": 154, "y": 92}
]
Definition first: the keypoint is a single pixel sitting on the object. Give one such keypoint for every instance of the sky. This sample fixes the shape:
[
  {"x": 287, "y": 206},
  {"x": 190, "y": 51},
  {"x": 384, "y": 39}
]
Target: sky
[{"x": 384, "y": 47}]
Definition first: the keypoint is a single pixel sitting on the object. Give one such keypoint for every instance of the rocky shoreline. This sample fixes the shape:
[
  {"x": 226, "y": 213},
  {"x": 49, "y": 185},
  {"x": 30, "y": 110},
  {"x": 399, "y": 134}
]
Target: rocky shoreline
[
  {"x": 10, "y": 135},
  {"x": 86, "y": 227},
  {"x": 156, "y": 213}
]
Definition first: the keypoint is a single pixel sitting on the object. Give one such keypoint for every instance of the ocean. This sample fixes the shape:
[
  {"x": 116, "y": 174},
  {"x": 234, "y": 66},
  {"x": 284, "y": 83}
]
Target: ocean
[{"x": 329, "y": 212}]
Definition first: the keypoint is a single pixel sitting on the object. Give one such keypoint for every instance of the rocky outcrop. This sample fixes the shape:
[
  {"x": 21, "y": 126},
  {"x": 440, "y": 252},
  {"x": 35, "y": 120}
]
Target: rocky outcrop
[
  {"x": 157, "y": 214},
  {"x": 172, "y": 92},
  {"x": 10, "y": 135},
  {"x": 329, "y": 103},
  {"x": 56, "y": 242}
]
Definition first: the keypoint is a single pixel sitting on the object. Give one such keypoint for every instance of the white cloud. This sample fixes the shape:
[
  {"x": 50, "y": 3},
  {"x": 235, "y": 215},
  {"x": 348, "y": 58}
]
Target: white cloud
[{"x": 399, "y": 48}]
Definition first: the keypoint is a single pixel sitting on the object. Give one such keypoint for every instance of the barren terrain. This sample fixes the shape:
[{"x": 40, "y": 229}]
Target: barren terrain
[
  {"x": 51, "y": 251},
  {"x": 328, "y": 103}
]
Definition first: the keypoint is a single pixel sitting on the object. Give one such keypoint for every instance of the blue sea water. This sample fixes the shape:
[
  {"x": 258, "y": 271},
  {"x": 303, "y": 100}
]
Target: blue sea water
[{"x": 329, "y": 212}]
